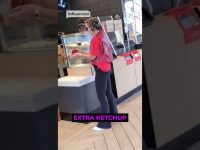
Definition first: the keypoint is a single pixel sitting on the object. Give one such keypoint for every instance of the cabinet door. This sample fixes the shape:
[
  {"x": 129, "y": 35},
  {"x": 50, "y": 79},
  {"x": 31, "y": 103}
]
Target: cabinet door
[{"x": 125, "y": 77}]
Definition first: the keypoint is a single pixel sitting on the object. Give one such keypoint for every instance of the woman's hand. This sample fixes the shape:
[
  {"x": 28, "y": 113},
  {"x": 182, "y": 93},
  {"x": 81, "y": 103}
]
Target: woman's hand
[
  {"x": 77, "y": 51},
  {"x": 77, "y": 55},
  {"x": 83, "y": 55}
]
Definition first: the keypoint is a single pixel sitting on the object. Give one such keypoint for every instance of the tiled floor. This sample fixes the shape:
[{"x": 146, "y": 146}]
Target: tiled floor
[{"x": 122, "y": 136}]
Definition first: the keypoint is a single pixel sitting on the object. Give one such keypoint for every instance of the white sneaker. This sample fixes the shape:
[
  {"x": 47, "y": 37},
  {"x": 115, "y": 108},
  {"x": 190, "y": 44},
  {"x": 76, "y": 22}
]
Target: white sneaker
[{"x": 98, "y": 129}]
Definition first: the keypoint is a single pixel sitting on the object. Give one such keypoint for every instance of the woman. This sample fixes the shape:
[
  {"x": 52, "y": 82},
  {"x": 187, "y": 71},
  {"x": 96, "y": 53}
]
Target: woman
[{"x": 102, "y": 69}]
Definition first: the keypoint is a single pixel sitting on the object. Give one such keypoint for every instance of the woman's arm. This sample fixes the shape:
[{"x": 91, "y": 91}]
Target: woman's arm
[
  {"x": 88, "y": 56},
  {"x": 80, "y": 51},
  {"x": 84, "y": 56},
  {"x": 83, "y": 52}
]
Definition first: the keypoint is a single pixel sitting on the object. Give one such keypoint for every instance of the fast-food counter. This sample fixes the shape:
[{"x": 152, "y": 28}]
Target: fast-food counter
[
  {"x": 28, "y": 102},
  {"x": 28, "y": 107},
  {"x": 127, "y": 72},
  {"x": 126, "y": 76},
  {"x": 77, "y": 91},
  {"x": 77, "y": 94},
  {"x": 171, "y": 79}
]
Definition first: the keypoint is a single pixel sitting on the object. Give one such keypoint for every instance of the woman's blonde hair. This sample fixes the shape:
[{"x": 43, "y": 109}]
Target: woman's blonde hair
[{"x": 93, "y": 23}]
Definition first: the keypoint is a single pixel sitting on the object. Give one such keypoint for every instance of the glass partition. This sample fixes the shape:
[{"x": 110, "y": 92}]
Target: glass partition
[{"x": 76, "y": 41}]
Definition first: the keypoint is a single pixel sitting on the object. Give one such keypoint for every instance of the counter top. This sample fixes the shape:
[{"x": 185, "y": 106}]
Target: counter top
[
  {"x": 75, "y": 81},
  {"x": 26, "y": 95}
]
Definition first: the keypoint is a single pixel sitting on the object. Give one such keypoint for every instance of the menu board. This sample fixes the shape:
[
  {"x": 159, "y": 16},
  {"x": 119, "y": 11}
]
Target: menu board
[
  {"x": 119, "y": 27},
  {"x": 110, "y": 26}
]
